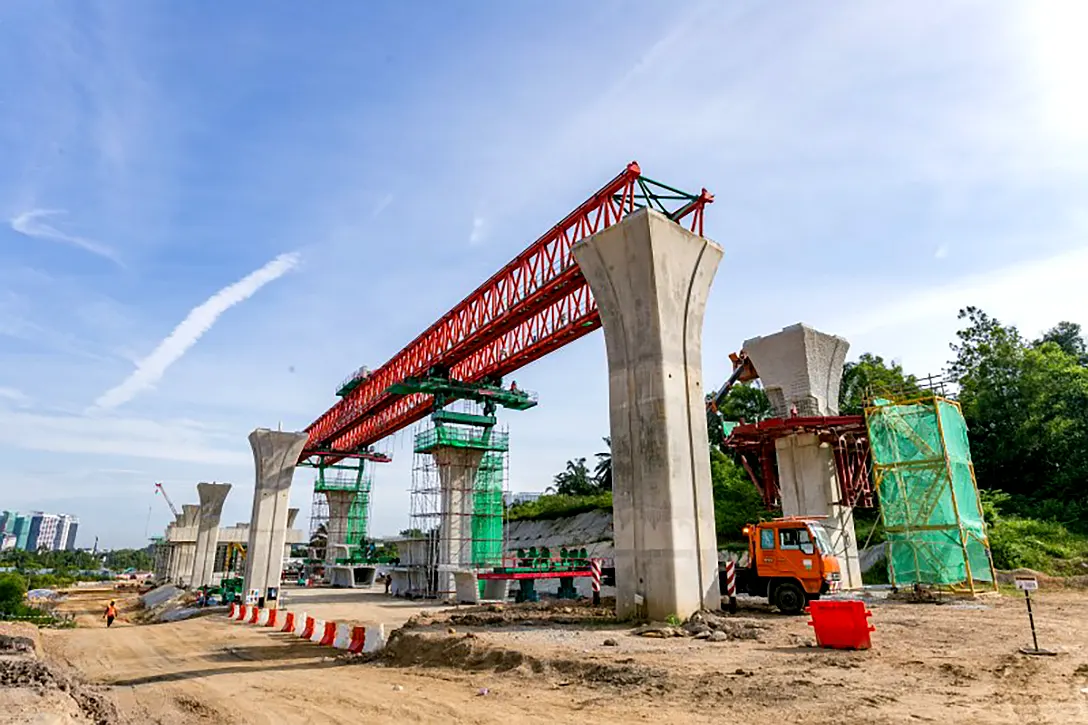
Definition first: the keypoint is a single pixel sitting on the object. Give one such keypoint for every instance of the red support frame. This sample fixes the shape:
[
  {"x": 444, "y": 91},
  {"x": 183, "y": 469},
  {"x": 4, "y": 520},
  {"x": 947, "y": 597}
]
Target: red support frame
[{"x": 535, "y": 304}]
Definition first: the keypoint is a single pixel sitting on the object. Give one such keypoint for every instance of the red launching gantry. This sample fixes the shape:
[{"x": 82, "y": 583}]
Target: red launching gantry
[{"x": 537, "y": 303}]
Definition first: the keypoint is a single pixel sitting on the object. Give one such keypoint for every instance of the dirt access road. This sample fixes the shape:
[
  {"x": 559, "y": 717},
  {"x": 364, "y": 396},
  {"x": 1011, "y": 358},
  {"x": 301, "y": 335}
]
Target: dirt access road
[{"x": 949, "y": 663}]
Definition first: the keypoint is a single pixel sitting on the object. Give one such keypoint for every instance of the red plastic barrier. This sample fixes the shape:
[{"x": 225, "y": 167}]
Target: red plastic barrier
[
  {"x": 253, "y": 617},
  {"x": 242, "y": 611},
  {"x": 289, "y": 622},
  {"x": 308, "y": 630},
  {"x": 358, "y": 639},
  {"x": 330, "y": 634},
  {"x": 271, "y": 618},
  {"x": 841, "y": 624}
]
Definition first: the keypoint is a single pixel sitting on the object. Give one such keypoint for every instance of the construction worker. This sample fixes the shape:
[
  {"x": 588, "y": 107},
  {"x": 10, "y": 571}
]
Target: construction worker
[{"x": 111, "y": 614}]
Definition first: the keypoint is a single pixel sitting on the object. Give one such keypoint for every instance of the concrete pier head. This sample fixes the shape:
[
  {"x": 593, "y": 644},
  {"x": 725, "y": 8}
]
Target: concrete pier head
[
  {"x": 651, "y": 278},
  {"x": 275, "y": 454},
  {"x": 801, "y": 370},
  {"x": 212, "y": 496}
]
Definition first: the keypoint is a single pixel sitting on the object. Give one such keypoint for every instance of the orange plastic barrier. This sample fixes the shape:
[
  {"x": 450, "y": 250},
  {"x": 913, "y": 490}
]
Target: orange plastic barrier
[{"x": 841, "y": 624}]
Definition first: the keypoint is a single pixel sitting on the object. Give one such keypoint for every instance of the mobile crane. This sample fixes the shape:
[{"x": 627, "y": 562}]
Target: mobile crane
[{"x": 159, "y": 489}]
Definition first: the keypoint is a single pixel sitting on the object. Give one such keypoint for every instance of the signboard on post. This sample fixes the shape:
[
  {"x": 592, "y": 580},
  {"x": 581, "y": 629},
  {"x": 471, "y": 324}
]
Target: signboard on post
[{"x": 1029, "y": 584}]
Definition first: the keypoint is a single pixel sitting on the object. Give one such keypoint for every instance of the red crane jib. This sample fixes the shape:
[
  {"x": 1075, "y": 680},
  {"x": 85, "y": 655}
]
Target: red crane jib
[{"x": 535, "y": 304}]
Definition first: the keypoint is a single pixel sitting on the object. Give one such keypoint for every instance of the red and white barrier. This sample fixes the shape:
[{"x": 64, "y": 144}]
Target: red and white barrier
[
  {"x": 353, "y": 638},
  {"x": 731, "y": 584},
  {"x": 595, "y": 568}
]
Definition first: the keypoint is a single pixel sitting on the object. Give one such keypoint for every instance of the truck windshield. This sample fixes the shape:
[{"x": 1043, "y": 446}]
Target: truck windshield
[{"x": 823, "y": 541}]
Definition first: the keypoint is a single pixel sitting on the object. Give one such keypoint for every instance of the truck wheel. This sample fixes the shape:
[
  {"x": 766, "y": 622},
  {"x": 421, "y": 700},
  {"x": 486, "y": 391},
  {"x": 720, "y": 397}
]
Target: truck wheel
[{"x": 789, "y": 598}]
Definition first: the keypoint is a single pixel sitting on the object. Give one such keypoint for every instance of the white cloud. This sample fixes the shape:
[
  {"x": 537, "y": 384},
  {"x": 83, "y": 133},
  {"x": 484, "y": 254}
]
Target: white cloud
[
  {"x": 30, "y": 224},
  {"x": 942, "y": 252},
  {"x": 199, "y": 320},
  {"x": 176, "y": 440},
  {"x": 477, "y": 234},
  {"x": 381, "y": 205},
  {"x": 15, "y": 396}
]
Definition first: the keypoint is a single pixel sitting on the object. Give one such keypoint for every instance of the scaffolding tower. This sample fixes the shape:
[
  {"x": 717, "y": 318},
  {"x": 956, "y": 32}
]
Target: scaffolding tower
[
  {"x": 459, "y": 478},
  {"x": 348, "y": 475},
  {"x": 929, "y": 503}
]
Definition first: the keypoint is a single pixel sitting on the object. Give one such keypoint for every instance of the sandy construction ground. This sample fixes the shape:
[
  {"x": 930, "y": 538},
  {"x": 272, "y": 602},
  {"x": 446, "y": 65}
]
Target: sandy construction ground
[{"x": 947, "y": 663}]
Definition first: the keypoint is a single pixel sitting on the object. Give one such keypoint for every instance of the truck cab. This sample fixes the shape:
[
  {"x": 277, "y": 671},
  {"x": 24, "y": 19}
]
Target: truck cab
[{"x": 789, "y": 562}]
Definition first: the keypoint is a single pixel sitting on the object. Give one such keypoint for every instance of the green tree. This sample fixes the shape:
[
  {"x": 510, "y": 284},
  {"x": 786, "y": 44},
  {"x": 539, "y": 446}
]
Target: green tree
[
  {"x": 575, "y": 480},
  {"x": 1026, "y": 407},
  {"x": 746, "y": 403},
  {"x": 602, "y": 472},
  {"x": 736, "y": 500},
  {"x": 12, "y": 592},
  {"x": 871, "y": 376},
  {"x": 1069, "y": 337}
]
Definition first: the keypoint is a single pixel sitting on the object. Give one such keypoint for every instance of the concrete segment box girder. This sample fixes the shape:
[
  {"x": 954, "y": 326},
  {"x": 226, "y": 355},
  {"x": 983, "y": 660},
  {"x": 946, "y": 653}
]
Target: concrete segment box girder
[
  {"x": 800, "y": 367},
  {"x": 651, "y": 279},
  {"x": 275, "y": 454},
  {"x": 212, "y": 496}
]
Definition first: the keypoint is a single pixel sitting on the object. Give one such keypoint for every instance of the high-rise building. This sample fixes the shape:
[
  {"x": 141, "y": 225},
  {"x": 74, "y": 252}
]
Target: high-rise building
[
  {"x": 7, "y": 522},
  {"x": 65, "y": 538},
  {"x": 22, "y": 531},
  {"x": 7, "y": 542},
  {"x": 43, "y": 531},
  {"x": 70, "y": 541}
]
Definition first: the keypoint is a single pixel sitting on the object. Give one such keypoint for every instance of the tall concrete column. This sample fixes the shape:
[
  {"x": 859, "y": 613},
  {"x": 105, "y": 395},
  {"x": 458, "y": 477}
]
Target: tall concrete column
[
  {"x": 190, "y": 514},
  {"x": 457, "y": 468},
  {"x": 275, "y": 454},
  {"x": 801, "y": 370},
  {"x": 212, "y": 496},
  {"x": 651, "y": 279},
  {"x": 336, "y": 530},
  {"x": 292, "y": 514}
]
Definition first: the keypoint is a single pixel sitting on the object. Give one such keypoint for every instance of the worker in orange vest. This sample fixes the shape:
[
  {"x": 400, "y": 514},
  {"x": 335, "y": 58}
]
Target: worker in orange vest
[{"x": 111, "y": 614}]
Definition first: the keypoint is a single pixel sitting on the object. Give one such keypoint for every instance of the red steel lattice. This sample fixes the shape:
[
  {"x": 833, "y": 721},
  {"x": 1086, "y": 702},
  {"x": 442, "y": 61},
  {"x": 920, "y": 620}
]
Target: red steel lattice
[{"x": 535, "y": 304}]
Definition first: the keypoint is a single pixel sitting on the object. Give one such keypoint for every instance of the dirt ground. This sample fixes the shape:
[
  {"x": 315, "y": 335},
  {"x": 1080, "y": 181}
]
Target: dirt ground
[{"x": 930, "y": 663}]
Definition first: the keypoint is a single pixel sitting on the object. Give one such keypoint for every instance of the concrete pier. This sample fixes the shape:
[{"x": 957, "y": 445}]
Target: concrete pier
[
  {"x": 336, "y": 530},
  {"x": 801, "y": 370},
  {"x": 212, "y": 496},
  {"x": 457, "y": 468},
  {"x": 651, "y": 279},
  {"x": 185, "y": 538},
  {"x": 274, "y": 456}
]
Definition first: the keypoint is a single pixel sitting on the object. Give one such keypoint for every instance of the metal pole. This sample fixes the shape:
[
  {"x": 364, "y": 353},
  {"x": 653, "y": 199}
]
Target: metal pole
[{"x": 1031, "y": 619}]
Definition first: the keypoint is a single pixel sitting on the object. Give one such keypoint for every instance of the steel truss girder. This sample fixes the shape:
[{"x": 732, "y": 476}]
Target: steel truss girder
[{"x": 533, "y": 305}]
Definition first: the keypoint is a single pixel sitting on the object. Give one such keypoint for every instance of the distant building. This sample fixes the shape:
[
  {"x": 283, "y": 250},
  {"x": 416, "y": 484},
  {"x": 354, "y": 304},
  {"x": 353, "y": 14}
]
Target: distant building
[
  {"x": 7, "y": 542},
  {"x": 511, "y": 498},
  {"x": 7, "y": 521},
  {"x": 65, "y": 538},
  {"x": 21, "y": 531},
  {"x": 43, "y": 531}
]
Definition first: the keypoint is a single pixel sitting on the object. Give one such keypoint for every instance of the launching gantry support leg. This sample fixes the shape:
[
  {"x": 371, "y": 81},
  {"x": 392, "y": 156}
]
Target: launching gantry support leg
[{"x": 651, "y": 278}]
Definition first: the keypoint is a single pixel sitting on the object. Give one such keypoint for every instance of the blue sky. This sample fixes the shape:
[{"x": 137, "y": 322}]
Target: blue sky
[{"x": 308, "y": 189}]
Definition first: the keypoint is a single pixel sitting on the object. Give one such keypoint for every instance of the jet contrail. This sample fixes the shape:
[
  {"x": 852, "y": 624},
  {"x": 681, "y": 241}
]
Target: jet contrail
[{"x": 199, "y": 320}]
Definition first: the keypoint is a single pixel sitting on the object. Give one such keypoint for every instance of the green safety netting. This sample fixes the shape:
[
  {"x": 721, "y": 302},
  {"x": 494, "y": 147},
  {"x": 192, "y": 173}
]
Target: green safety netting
[
  {"x": 928, "y": 497},
  {"x": 487, "y": 512}
]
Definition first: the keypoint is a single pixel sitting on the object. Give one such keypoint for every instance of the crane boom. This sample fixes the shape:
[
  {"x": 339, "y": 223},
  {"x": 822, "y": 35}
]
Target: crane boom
[{"x": 159, "y": 489}]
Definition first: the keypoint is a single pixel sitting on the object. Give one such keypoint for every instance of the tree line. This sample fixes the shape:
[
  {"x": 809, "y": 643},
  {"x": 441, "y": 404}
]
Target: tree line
[{"x": 1025, "y": 403}]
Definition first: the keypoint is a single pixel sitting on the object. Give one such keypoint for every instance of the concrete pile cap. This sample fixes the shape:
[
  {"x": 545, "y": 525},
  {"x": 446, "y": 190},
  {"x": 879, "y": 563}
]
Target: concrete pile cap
[{"x": 800, "y": 367}]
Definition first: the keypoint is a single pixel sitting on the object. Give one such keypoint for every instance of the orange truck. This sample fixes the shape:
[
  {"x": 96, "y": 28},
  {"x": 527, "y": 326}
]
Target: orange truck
[{"x": 789, "y": 562}]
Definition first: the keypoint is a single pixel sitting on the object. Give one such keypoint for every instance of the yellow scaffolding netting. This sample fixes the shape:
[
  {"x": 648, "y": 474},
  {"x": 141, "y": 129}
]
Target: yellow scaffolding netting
[{"x": 929, "y": 502}]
